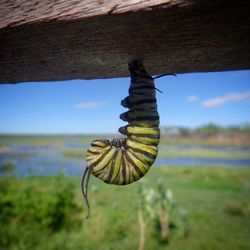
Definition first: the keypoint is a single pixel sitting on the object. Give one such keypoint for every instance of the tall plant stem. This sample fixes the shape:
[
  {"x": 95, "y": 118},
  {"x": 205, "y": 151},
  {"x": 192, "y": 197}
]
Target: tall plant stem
[{"x": 142, "y": 226}]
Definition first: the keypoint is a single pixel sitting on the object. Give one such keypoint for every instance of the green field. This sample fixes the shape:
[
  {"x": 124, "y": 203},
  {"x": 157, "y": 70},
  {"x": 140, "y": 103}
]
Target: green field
[
  {"x": 205, "y": 153},
  {"x": 190, "y": 153},
  {"x": 49, "y": 213},
  {"x": 61, "y": 144}
]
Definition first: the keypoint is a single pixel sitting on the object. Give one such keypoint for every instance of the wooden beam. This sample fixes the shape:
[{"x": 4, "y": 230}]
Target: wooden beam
[{"x": 42, "y": 40}]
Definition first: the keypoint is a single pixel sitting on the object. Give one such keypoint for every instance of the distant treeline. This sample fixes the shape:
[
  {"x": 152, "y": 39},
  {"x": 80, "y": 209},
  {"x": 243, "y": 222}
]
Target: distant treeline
[{"x": 205, "y": 130}]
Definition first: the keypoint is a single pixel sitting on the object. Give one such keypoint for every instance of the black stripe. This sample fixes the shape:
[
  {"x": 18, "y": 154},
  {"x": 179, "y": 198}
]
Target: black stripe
[
  {"x": 149, "y": 155},
  {"x": 100, "y": 159},
  {"x": 145, "y": 118},
  {"x": 118, "y": 174},
  {"x": 144, "y": 91},
  {"x": 128, "y": 169},
  {"x": 125, "y": 102},
  {"x": 152, "y": 100},
  {"x": 145, "y": 86},
  {"x": 148, "y": 144},
  {"x": 105, "y": 141},
  {"x": 112, "y": 167},
  {"x": 144, "y": 110},
  {"x": 138, "y": 170},
  {"x": 124, "y": 116},
  {"x": 93, "y": 153},
  {"x": 153, "y": 136},
  {"x": 123, "y": 130},
  {"x": 123, "y": 170},
  {"x": 133, "y": 89},
  {"x": 93, "y": 144},
  {"x": 139, "y": 159},
  {"x": 135, "y": 79}
]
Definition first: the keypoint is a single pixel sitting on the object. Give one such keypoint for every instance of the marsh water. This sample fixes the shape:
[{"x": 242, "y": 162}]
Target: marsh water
[{"x": 23, "y": 159}]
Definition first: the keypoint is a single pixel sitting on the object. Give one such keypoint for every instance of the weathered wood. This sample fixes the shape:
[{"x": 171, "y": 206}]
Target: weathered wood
[{"x": 42, "y": 40}]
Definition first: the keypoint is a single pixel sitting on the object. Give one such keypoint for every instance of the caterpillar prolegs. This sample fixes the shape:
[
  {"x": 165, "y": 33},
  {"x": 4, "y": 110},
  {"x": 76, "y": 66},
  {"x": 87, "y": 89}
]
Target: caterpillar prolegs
[{"x": 122, "y": 161}]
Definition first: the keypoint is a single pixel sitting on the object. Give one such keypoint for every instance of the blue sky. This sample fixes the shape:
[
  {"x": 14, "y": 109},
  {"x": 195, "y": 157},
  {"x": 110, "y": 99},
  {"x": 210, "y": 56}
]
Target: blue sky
[{"x": 93, "y": 106}]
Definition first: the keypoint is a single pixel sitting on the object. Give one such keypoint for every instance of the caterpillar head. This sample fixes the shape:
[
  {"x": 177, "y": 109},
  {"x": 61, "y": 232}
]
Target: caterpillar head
[{"x": 137, "y": 69}]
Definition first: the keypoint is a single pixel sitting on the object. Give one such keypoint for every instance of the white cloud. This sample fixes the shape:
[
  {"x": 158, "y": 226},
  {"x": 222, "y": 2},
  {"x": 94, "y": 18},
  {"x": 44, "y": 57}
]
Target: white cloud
[
  {"x": 192, "y": 98},
  {"x": 221, "y": 100},
  {"x": 89, "y": 105}
]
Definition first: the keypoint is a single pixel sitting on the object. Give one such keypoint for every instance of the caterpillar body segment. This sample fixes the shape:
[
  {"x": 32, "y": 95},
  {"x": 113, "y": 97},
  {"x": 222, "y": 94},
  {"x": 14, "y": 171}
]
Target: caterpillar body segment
[{"x": 123, "y": 161}]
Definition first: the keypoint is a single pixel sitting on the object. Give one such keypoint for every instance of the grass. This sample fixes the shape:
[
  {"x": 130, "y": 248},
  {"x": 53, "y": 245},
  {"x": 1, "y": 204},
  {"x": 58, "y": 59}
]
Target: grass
[
  {"x": 7, "y": 168},
  {"x": 204, "y": 153},
  {"x": 48, "y": 140},
  {"x": 57, "y": 140},
  {"x": 181, "y": 153},
  {"x": 8, "y": 141},
  {"x": 217, "y": 201},
  {"x": 74, "y": 153}
]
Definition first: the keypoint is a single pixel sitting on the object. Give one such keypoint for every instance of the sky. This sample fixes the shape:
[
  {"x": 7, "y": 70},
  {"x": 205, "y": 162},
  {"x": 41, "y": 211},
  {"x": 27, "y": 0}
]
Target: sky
[{"x": 93, "y": 106}]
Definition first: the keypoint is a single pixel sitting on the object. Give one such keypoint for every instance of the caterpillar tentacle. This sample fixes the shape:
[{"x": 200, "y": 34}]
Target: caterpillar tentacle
[
  {"x": 84, "y": 186},
  {"x": 125, "y": 160}
]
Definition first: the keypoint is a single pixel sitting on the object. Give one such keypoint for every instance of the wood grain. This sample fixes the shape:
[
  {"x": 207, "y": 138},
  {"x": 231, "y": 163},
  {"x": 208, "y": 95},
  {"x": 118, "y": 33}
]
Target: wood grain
[{"x": 60, "y": 40}]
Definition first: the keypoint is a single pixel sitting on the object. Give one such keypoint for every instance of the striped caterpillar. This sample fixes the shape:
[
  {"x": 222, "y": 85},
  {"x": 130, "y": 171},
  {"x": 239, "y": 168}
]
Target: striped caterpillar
[{"x": 122, "y": 161}]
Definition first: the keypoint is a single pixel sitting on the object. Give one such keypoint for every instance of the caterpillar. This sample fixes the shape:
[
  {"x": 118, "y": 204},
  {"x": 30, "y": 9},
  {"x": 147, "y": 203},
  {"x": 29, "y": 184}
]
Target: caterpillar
[{"x": 122, "y": 161}]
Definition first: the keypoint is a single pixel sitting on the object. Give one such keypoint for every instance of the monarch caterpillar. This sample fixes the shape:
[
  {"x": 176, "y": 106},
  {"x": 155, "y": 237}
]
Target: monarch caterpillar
[{"x": 122, "y": 161}]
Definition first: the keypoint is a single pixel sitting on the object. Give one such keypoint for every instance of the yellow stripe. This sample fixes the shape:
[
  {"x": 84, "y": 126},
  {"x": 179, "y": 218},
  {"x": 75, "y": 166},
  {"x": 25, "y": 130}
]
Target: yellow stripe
[
  {"x": 101, "y": 142},
  {"x": 117, "y": 169},
  {"x": 142, "y": 166},
  {"x": 145, "y": 106},
  {"x": 145, "y": 140},
  {"x": 102, "y": 164},
  {"x": 145, "y": 91},
  {"x": 145, "y": 124},
  {"x": 117, "y": 165},
  {"x": 140, "y": 130},
  {"x": 135, "y": 98},
  {"x": 144, "y": 158},
  {"x": 148, "y": 148},
  {"x": 132, "y": 114},
  {"x": 96, "y": 157},
  {"x": 143, "y": 81},
  {"x": 97, "y": 149},
  {"x": 129, "y": 172},
  {"x": 103, "y": 174}
]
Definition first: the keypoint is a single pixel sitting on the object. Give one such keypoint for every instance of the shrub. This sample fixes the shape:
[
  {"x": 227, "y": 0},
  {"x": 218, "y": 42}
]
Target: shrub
[
  {"x": 157, "y": 207},
  {"x": 34, "y": 205}
]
